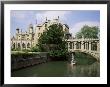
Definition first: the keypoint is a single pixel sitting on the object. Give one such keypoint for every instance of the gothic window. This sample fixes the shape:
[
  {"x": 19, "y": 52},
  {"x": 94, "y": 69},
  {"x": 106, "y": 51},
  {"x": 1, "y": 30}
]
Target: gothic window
[
  {"x": 18, "y": 45},
  {"x": 23, "y": 45},
  {"x": 65, "y": 29},
  {"x": 77, "y": 45},
  {"x": 70, "y": 45},
  {"x": 45, "y": 25},
  {"x": 14, "y": 46},
  {"x": 39, "y": 28},
  {"x": 28, "y": 45}
]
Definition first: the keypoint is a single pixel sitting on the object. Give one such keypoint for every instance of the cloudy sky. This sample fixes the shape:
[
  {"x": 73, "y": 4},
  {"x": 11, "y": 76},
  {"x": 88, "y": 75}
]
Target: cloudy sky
[{"x": 75, "y": 18}]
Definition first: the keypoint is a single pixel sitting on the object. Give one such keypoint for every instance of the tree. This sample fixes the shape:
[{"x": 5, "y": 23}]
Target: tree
[
  {"x": 52, "y": 41},
  {"x": 88, "y": 32},
  {"x": 53, "y": 35}
]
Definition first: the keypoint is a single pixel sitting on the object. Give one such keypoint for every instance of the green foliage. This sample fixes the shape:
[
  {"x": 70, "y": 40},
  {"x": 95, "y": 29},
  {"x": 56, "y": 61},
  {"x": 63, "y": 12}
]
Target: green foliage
[
  {"x": 58, "y": 53},
  {"x": 35, "y": 49},
  {"x": 52, "y": 41},
  {"x": 17, "y": 49},
  {"x": 88, "y": 32},
  {"x": 26, "y": 50},
  {"x": 22, "y": 55},
  {"x": 53, "y": 35}
]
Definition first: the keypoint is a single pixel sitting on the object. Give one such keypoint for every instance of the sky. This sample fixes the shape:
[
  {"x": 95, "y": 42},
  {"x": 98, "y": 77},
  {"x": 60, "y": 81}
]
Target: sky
[{"x": 75, "y": 19}]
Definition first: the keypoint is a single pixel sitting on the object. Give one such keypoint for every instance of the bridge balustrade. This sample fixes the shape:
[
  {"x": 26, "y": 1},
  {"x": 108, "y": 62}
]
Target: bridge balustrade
[{"x": 90, "y": 46}]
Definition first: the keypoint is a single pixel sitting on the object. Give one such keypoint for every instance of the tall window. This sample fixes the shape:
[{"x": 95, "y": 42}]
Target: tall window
[
  {"x": 39, "y": 28},
  {"x": 70, "y": 45},
  {"x": 28, "y": 45},
  {"x": 14, "y": 46},
  {"x": 18, "y": 45},
  {"x": 45, "y": 25},
  {"x": 23, "y": 45}
]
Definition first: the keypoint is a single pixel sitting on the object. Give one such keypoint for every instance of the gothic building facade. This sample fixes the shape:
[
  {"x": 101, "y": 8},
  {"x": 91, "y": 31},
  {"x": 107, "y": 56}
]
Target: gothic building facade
[{"x": 28, "y": 39}]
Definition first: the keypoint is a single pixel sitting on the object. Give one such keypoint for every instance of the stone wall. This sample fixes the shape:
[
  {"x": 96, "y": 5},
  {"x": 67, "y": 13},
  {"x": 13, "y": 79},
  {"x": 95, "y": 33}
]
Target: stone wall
[{"x": 21, "y": 60}]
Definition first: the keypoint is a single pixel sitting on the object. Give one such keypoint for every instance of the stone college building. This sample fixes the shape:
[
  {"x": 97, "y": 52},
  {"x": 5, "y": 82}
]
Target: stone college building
[{"x": 28, "y": 39}]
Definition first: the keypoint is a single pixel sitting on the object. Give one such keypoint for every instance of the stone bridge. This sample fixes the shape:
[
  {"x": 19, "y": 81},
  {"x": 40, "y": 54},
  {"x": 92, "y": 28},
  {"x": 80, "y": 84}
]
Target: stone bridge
[{"x": 89, "y": 46}]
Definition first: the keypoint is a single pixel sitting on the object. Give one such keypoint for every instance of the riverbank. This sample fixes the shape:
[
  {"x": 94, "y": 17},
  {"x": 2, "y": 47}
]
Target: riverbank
[{"x": 21, "y": 60}]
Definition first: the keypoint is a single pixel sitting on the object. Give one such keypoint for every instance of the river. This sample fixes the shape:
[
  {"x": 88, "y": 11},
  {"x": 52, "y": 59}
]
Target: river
[{"x": 59, "y": 69}]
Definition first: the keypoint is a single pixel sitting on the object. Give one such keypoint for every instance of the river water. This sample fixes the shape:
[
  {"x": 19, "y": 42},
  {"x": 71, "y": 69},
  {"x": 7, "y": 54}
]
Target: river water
[{"x": 59, "y": 69}]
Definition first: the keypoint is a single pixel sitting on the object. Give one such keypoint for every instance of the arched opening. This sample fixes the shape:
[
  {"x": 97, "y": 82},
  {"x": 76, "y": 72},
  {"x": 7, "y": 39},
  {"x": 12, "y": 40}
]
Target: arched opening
[
  {"x": 78, "y": 45},
  {"x": 28, "y": 45},
  {"x": 70, "y": 45},
  {"x": 94, "y": 46},
  {"x": 13, "y": 46},
  {"x": 23, "y": 45},
  {"x": 19, "y": 46}
]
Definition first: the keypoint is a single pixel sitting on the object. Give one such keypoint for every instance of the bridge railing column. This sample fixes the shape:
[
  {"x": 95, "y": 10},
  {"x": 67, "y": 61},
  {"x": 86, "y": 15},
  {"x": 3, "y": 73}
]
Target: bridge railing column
[
  {"x": 68, "y": 45},
  {"x": 82, "y": 45},
  {"x": 75, "y": 45},
  {"x": 98, "y": 46},
  {"x": 89, "y": 46}
]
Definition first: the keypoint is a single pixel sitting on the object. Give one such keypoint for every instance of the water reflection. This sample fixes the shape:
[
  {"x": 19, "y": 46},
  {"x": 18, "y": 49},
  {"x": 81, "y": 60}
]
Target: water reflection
[
  {"x": 75, "y": 70},
  {"x": 70, "y": 68}
]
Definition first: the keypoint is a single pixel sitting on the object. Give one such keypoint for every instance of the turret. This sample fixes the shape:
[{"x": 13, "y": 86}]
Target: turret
[
  {"x": 58, "y": 18},
  {"x": 46, "y": 19},
  {"x": 30, "y": 28},
  {"x": 17, "y": 31}
]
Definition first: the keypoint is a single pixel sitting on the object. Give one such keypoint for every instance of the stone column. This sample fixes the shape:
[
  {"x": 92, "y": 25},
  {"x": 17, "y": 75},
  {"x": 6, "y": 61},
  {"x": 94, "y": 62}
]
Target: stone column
[
  {"x": 89, "y": 46},
  {"x": 82, "y": 45},
  {"x": 85, "y": 45},
  {"x": 74, "y": 45},
  {"x": 26, "y": 44},
  {"x": 98, "y": 46},
  {"x": 68, "y": 46},
  {"x": 15, "y": 45},
  {"x": 21, "y": 46},
  {"x": 71, "y": 45}
]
